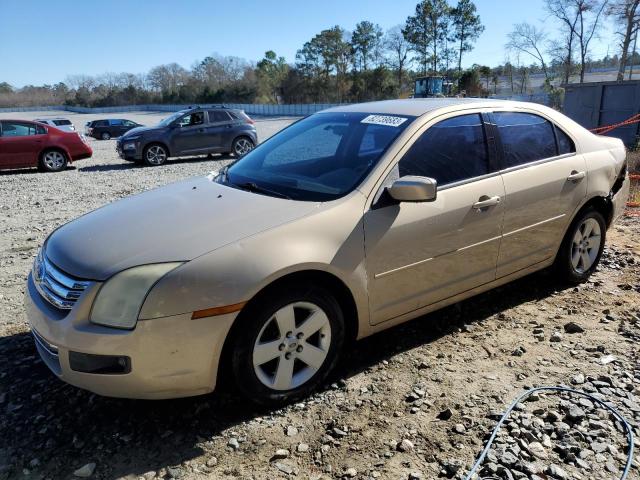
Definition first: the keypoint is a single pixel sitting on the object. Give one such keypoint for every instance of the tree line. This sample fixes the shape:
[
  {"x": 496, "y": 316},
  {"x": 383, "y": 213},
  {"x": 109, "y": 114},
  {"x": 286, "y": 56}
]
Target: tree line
[{"x": 368, "y": 63}]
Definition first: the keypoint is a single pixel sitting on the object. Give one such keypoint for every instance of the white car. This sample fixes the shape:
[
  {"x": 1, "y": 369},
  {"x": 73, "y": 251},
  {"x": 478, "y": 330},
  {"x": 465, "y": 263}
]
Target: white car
[{"x": 61, "y": 123}]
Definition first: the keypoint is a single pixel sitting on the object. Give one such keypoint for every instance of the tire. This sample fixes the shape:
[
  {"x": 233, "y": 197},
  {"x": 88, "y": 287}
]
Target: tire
[
  {"x": 241, "y": 146},
  {"x": 105, "y": 136},
  {"x": 155, "y": 154},
  {"x": 270, "y": 364},
  {"x": 582, "y": 247},
  {"x": 53, "y": 161}
]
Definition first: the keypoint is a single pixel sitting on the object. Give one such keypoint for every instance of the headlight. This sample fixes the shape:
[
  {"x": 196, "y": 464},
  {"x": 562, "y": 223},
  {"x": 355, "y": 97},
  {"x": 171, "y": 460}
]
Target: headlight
[
  {"x": 129, "y": 146},
  {"x": 120, "y": 298}
]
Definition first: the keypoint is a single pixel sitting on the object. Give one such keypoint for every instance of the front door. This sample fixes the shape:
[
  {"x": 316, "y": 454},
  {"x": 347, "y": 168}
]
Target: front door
[
  {"x": 190, "y": 137},
  {"x": 545, "y": 181},
  {"x": 420, "y": 253},
  {"x": 20, "y": 144}
]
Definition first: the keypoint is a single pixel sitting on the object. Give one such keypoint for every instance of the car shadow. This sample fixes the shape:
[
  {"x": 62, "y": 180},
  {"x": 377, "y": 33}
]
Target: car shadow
[
  {"x": 32, "y": 170},
  {"x": 174, "y": 161},
  {"x": 65, "y": 427}
]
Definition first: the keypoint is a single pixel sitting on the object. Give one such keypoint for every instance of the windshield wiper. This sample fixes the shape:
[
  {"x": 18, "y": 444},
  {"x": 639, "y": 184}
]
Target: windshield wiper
[{"x": 254, "y": 187}]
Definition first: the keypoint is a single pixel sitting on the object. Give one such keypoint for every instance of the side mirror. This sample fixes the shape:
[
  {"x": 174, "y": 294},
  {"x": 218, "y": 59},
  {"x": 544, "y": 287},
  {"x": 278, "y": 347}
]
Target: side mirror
[{"x": 413, "y": 189}]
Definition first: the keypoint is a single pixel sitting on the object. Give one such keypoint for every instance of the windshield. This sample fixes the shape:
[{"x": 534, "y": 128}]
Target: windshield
[
  {"x": 319, "y": 158},
  {"x": 165, "y": 122}
]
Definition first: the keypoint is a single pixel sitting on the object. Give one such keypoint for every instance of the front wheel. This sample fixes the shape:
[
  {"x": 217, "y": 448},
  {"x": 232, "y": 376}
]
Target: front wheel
[
  {"x": 241, "y": 146},
  {"x": 155, "y": 155},
  {"x": 582, "y": 246},
  {"x": 288, "y": 344}
]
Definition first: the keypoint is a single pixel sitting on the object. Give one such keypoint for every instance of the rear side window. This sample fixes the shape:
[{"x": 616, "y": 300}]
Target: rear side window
[
  {"x": 449, "y": 151},
  {"x": 565, "y": 144},
  {"x": 525, "y": 137},
  {"x": 216, "y": 116},
  {"x": 101, "y": 123},
  {"x": 62, "y": 122}
]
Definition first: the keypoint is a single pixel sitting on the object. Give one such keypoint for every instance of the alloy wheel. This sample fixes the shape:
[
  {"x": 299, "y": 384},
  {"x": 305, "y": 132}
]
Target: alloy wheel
[
  {"x": 586, "y": 245},
  {"x": 156, "y": 155},
  {"x": 53, "y": 160},
  {"x": 242, "y": 147},
  {"x": 292, "y": 346}
]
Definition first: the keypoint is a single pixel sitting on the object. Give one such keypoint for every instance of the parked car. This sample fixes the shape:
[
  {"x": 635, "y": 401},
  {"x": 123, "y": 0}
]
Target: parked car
[
  {"x": 105, "y": 129},
  {"x": 344, "y": 224},
  {"x": 194, "y": 131},
  {"x": 60, "y": 123},
  {"x": 30, "y": 144}
]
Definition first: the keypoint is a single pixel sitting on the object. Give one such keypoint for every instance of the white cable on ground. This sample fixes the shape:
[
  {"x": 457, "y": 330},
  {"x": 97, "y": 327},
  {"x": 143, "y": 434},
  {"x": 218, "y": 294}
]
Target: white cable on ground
[{"x": 626, "y": 425}]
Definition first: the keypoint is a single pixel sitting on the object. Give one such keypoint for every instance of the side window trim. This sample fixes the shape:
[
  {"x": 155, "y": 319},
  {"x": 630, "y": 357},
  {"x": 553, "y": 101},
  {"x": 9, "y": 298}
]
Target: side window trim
[{"x": 500, "y": 148}]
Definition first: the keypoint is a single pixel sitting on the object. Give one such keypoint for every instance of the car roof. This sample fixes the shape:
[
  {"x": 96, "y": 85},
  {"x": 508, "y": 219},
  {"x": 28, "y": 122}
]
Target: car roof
[{"x": 420, "y": 106}]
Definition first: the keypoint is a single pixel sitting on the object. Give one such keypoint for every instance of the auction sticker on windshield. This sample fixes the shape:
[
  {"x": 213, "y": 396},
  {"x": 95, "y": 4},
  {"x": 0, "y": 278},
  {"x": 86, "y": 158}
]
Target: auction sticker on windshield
[{"x": 387, "y": 120}]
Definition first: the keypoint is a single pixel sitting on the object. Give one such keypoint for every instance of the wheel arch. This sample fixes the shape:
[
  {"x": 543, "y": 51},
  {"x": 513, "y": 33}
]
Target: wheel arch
[{"x": 328, "y": 280}]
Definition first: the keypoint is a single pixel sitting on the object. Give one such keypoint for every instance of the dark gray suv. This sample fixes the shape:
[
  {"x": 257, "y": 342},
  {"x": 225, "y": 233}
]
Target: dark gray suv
[{"x": 195, "y": 131}]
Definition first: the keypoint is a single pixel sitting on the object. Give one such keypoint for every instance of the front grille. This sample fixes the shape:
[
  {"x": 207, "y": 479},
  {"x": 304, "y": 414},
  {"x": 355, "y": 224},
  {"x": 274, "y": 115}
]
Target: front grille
[{"x": 55, "y": 286}]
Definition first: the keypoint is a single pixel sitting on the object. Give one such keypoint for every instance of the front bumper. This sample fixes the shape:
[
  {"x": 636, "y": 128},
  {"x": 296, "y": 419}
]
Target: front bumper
[
  {"x": 170, "y": 357},
  {"x": 129, "y": 153}
]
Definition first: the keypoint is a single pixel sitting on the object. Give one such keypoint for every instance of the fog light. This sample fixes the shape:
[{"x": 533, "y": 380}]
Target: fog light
[
  {"x": 129, "y": 146},
  {"x": 102, "y": 364}
]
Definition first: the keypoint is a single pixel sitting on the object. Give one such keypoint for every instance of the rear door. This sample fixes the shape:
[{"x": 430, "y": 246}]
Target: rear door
[
  {"x": 221, "y": 129},
  {"x": 545, "y": 181},
  {"x": 420, "y": 253},
  {"x": 20, "y": 143}
]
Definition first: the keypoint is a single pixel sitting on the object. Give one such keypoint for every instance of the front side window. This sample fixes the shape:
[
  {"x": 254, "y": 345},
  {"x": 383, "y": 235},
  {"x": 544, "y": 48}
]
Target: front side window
[
  {"x": 18, "y": 129},
  {"x": 192, "y": 119},
  {"x": 116, "y": 123},
  {"x": 319, "y": 158},
  {"x": 450, "y": 151},
  {"x": 129, "y": 123},
  {"x": 61, "y": 122},
  {"x": 525, "y": 137}
]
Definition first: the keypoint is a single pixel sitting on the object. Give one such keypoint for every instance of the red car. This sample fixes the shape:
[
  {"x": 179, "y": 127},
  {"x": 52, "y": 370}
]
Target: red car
[{"x": 31, "y": 144}]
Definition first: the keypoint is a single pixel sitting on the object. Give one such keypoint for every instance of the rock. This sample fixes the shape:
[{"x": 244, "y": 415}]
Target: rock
[
  {"x": 557, "y": 472},
  {"x": 404, "y": 445},
  {"x": 576, "y": 413},
  {"x": 291, "y": 431},
  {"x": 415, "y": 476},
  {"x": 175, "y": 472},
  {"x": 537, "y": 450},
  {"x": 459, "y": 428},
  {"x": 577, "y": 379},
  {"x": 555, "y": 337},
  {"x": 508, "y": 459},
  {"x": 280, "y": 454},
  {"x": 445, "y": 414},
  {"x": 302, "y": 447},
  {"x": 350, "y": 472},
  {"x": 337, "y": 432},
  {"x": 283, "y": 467},
  {"x": 85, "y": 471},
  {"x": 233, "y": 443},
  {"x": 212, "y": 462},
  {"x": 573, "y": 327}
]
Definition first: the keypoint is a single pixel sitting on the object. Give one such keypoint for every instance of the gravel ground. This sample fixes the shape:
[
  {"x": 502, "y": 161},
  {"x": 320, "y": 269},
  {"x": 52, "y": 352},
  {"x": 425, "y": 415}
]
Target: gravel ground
[{"x": 415, "y": 402}]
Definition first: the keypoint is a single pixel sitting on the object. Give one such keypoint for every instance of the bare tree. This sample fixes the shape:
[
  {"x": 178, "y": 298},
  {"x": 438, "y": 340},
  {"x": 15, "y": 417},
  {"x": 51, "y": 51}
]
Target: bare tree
[
  {"x": 627, "y": 12},
  {"x": 526, "y": 38},
  {"x": 568, "y": 13},
  {"x": 399, "y": 49},
  {"x": 590, "y": 14}
]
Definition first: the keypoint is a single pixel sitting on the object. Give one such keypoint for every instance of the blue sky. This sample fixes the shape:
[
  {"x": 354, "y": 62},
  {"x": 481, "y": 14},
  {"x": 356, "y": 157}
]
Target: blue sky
[{"x": 45, "y": 41}]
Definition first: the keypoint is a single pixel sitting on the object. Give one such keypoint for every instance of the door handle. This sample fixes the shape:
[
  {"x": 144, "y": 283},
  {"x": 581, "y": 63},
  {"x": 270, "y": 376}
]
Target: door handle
[
  {"x": 486, "y": 201},
  {"x": 576, "y": 176}
]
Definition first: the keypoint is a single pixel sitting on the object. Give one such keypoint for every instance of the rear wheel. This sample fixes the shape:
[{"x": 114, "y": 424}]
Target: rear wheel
[
  {"x": 155, "y": 155},
  {"x": 53, "y": 161},
  {"x": 105, "y": 136},
  {"x": 288, "y": 344},
  {"x": 582, "y": 246},
  {"x": 241, "y": 146}
]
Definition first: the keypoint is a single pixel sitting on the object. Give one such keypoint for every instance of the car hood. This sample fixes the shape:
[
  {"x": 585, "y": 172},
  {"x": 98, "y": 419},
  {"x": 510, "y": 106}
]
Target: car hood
[
  {"x": 138, "y": 131},
  {"x": 178, "y": 222}
]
